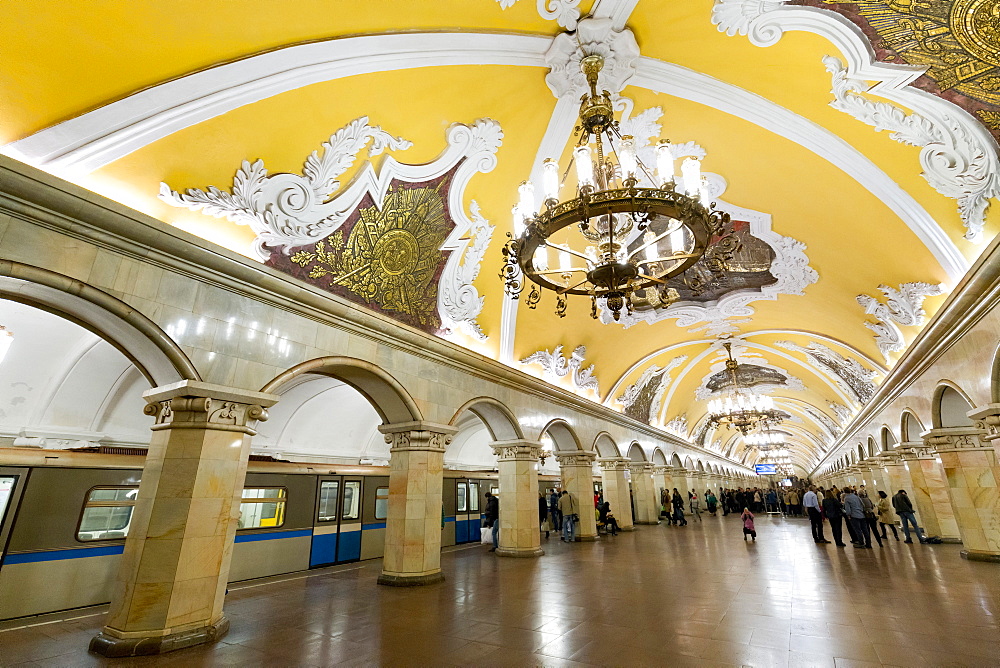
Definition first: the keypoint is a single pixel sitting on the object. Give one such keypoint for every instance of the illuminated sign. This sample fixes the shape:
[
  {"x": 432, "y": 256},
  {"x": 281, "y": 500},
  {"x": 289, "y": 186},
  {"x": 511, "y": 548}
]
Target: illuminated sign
[{"x": 765, "y": 469}]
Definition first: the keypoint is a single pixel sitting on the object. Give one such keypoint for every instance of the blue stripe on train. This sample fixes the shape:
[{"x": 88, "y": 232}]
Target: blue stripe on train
[
  {"x": 55, "y": 555},
  {"x": 373, "y": 525},
  {"x": 349, "y": 547},
  {"x": 324, "y": 550},
  {"x": 272, "y": 535}
]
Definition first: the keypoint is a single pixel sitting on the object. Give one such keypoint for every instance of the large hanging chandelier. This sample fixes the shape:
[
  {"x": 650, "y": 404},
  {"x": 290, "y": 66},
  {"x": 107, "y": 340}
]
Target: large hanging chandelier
[
  {"x": 743, "y": 409},
  {"x": 626, "y": 228}
]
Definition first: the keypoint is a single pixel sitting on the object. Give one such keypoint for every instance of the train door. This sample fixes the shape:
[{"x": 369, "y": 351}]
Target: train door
[
  {"x": 11, "y": 486},
  {"x": 374, "y": 514},
  {"x": 468, "y": 501},
  {"x": 337, "y": 529}
]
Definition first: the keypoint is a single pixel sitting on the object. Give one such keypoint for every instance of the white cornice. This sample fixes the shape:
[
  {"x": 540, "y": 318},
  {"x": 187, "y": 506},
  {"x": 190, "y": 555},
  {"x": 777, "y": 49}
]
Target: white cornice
[{"x": 92, "y": 140}]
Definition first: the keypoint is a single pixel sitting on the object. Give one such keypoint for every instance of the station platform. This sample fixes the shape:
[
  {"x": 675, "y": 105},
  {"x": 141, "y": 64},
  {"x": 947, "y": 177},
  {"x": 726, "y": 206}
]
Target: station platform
[{"x": 659, "y": 596}]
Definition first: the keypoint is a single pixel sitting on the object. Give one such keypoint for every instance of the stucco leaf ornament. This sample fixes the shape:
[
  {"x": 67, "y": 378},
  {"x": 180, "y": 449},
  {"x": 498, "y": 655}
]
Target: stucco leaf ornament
[
  {"x": 582, "y": 378},
  {"x": 903, "y": 306},
  {"x": 553, "y": 363},
  {"x": 955, "y": 162},
  {"x": 459, "y": 299},
  {"x": 289, "y": 210},
  {"x": 557, "y": 365},
  {"x": 564, "y": 12},
  {"x": 593, "y": 36},
  {"x": 734, "y": 17}
]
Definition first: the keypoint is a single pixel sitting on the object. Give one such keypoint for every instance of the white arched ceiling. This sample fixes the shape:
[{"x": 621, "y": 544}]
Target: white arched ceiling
[
  {"x": 471, "y": 447},
  {"x": 63, "y": 386}
]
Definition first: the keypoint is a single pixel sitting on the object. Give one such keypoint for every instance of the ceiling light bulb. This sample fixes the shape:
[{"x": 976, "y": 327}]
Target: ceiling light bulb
[
  {"x": 565, "y": 261},
  {"x": 584, "y": 166},
  {"x": 527, "y": 202},
  {"x": 691, "y": 170},
  {"x": 550, "y": 179},
  {"x": 678, "y": 240},
  {"x": 518, "y": 221},
  {"x": 541, "y": 259},
  {"x": 650, "y": 250},
  {"x": 6, "y": 338},
  {"x": 664, "y": 163},
  {"x": 626, "y": 157}
]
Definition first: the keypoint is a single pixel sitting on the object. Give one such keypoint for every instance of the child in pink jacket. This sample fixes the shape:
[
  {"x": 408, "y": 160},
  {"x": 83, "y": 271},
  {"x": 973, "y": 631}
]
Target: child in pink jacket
[{"x": 748, "y": 528}]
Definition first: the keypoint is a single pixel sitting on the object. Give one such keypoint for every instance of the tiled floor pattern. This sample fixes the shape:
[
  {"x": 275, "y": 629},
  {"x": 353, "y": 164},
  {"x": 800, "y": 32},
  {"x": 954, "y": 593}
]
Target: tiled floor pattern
[{"x": 661, "y": 596}]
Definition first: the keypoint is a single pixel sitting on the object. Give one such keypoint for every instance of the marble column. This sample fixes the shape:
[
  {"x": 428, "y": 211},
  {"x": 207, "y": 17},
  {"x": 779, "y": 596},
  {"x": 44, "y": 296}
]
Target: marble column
[
  {"x": 517, "y": 463},
  {"x": 929, "y": 492},
  {"x": 680, "y": 482},
  {"x": 171, "y": 583},
  {"x": 577, "y": 472},
  {"x": 413, "y": 522},
  {"x": 970, "y": 464},
  {"x": 646, "y": 512},
  {"x": 616, "y": 490}
]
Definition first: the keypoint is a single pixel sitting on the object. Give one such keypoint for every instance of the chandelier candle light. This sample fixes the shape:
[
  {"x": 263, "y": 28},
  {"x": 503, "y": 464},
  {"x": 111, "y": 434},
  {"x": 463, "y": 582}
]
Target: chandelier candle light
[
  {"x": 626, "y": 229},
  {"x": 742, "y": 409}
]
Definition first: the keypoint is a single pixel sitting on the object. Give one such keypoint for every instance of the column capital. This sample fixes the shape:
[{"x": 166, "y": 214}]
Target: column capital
[
  {"x": 417, "y": 435},
  {"x": 987, "y": 419},
  {"x": 193, "y": 404},
  {"x": 640, "y": 467},
  {"x": 949, "y": 439},
  {"x": 661, "y": 469},
  {"x": 518, "y": 449},
  {"x": 613, "y": 463},
  {"x": 576, "y": 458}
]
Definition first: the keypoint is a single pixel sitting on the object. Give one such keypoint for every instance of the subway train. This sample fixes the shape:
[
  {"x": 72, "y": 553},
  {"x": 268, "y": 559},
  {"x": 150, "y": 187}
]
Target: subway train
[{"x": 64, "y": 516}]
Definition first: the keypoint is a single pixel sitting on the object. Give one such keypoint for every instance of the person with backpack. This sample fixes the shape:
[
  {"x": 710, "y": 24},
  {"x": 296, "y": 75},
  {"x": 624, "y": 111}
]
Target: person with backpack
[
  {"x": 870, "y": 517},
  {"x": 678, "y": 503},
  {"x": 568, "y": 508},
  {"x": 885, "y": 517},
  {"x": 493, "y": 518},
  {"x": 901, "y": 504}
]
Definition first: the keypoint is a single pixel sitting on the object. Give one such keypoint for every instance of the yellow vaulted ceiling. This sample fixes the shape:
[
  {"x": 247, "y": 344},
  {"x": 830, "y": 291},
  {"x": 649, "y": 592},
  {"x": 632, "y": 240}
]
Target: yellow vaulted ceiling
[{"x": 60, "y": 62}]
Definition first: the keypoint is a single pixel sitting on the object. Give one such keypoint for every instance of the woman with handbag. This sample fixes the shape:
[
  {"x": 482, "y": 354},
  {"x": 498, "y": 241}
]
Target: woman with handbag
[
  {"x": 543, "y": 514},
  {"x": 870, "y": 517},
  {"x": 748, "y": 527}
]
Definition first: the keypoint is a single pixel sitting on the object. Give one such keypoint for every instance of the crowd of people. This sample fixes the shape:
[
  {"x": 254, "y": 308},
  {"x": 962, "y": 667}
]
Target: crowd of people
[{"x": 864, "y": 517}]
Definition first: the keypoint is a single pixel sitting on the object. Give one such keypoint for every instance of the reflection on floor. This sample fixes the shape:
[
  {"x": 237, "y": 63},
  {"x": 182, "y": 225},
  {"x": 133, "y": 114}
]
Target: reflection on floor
[{"x": 664, "y": 596}]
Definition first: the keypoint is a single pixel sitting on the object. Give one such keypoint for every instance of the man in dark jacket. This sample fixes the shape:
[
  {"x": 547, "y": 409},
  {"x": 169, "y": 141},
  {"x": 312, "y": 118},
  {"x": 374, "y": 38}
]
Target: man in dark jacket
[
  {"x": 493, "y": 518},
  {"x": 901, "y": 504}
]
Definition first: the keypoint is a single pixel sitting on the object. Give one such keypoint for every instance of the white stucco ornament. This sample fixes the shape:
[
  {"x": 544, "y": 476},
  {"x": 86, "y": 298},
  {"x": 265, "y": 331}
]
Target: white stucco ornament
[
  {"x": 557, "y": 365},
  {"x": 959, "y": 157},
  {"x": 593, "y": 36},
  {"x": 903, "y": 306},
  {"x": 564, "y": 12},
  {"x": 287, "y": 211}
]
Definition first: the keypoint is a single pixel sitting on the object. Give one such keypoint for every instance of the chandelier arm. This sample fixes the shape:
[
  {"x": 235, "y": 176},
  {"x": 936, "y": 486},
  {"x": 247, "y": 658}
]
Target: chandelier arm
[
  {"x": 549, "y": 272},
  {"x": 679, "y": 256},
  {"x": 567, "y": 249},
  {"x": 570, "y": 287},
  {"x": 656, "y": 239}
]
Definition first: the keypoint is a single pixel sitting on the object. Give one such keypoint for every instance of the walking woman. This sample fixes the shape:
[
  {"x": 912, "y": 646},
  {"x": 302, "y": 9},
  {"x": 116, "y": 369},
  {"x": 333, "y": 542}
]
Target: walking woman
[
  {"x": 885, "y": 516},
  {"x": 711, "y": 501},
  {"x": 748, "y": 528},
  {"x": 870, "y": 517},
  {"x": 834, "y": 512},
  {"x": 678, "y": 502}
]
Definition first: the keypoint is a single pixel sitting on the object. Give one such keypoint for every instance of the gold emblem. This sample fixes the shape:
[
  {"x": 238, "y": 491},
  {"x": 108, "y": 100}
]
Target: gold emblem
[
  {"x": 957, "y": 40},
  {"x": 392, "y": 255}
]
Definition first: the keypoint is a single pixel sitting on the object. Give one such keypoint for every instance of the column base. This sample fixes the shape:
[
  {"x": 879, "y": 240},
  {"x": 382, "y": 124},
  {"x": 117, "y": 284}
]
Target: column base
[
  {"x": 951, "y": 539},
  {"x": 981, "y": 555},
  {"x": 111, "y": 646},
  {"x": 649, "y": 523},
  {"x": 410, "y": 580},
  {"x": 519, "y": 552},
  {"x": 631, "y": 528},
  {"x": 586, "y": 539}
]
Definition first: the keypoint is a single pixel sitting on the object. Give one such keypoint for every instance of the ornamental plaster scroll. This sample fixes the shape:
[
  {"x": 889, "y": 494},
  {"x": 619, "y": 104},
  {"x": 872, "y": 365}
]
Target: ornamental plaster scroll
[
  {"x": 644, "y": 398},
  {"x": 855, "y": 379},
  {"x": 902, "y": 307},
  {"x": 843, "y": 413},
  {"x": 593, "y": 36},
  {"x": 557, "y": 365},
  {"x": 290, "y": 210},
  {"x": 744, "y": 356},
  {"x": 564, "y": 12},
  {"x": 678, "y": 426},
  {"x": 959, "y": 156}
]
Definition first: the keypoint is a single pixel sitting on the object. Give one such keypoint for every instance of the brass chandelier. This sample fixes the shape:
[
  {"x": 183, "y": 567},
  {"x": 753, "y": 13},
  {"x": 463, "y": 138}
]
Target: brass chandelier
[
  {"x": 743, "y": 409},
  {"x": 625, "y": 229}
]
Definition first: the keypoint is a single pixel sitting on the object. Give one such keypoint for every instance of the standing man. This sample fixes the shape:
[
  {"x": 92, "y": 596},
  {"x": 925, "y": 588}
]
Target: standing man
[
  {"x": 811, "y": 502},
  {"x": 904, "y": 508},
  {"x": 855, "y": 512},
  {"x": 493, "y": 517},
  {"x": 568, "y": 508}
]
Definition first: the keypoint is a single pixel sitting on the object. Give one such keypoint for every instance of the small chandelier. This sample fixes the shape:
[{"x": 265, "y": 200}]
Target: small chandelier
[
  {"x": 614, "y": 237},
  {"x": 763, "y": 440},
  {"x": 743, "y": 409}
]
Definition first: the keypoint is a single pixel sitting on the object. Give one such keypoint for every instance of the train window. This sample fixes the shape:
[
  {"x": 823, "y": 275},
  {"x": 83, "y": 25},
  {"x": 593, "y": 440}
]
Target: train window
[
  {"x": 107, "y": 513},
  {"x": 494, "y": 490},
  {"x": 6, "y": 489},
  {"x": 262, "y": 507},
  {"x": 461, "y": 491},
  {"x": 381, "y": 503},
  {"x": 352, "y": 500},
  {"x": 474, "y": 497},
  {"x": 329, "y": 490}
]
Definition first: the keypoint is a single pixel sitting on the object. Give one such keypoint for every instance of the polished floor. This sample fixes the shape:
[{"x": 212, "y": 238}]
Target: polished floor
[{"x": 661, "y": 596}]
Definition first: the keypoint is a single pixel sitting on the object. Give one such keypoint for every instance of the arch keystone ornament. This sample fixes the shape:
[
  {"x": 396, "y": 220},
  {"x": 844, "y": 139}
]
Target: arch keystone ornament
[
  {"x": 172, "y": 580},
  {"x": 518, "y": 477},
  {"x": 970, "y": 465},
  {"x": 413, "y": 520}
]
